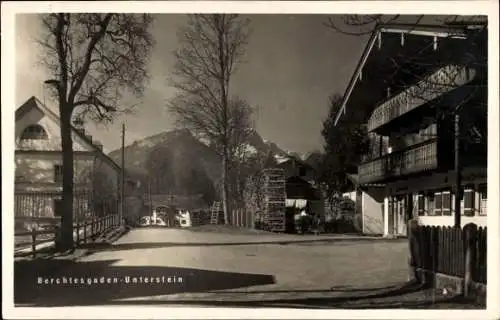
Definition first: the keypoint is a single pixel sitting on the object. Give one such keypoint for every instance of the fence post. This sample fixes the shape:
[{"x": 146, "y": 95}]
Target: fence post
[
  {"x": 33, "y": 242},
  {"x": 77, "y": 232},
  {"x": 413, "y": 258},
  {"x": 92, "y": 226},
  {"x": 470, "y": 238},
  {"x": 85, "y": 224}
]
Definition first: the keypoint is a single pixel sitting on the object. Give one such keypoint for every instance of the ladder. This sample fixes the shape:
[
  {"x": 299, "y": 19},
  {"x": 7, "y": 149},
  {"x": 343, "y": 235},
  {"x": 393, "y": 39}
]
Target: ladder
[{"x": 214, "y": 219}]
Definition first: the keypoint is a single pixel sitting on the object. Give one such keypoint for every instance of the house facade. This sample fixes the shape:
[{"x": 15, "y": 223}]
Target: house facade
[
  {"x": 38, "y": 171},
  {"x": 415, "y": 86},
  {"x": 301, "y": 188},
  {"x": 294, "y": 167},
  {"x": 368, "y": 208}
]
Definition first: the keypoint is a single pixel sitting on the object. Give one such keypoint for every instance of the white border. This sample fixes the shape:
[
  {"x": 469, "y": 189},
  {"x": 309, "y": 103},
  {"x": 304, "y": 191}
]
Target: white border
[{"x": 9, "y": 9}]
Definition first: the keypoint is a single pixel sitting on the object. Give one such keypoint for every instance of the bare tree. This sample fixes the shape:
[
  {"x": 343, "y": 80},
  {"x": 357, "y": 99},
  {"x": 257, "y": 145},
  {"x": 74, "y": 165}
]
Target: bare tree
[
  {"x": 241, "y": 129},
  {"x": 211, "y": 47},
  {"x": 93, "y": 60}
]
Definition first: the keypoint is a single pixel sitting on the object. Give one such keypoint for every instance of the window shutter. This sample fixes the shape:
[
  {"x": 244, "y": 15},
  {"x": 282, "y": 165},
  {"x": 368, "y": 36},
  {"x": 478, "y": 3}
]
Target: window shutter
[
  {"x": 438, "y": 203},
  {"x": 446, "y": 206},
  {"x": 483, "y": 191},
  {"x": 421, "y": 205},
  {"x": 469, "y": 202}
]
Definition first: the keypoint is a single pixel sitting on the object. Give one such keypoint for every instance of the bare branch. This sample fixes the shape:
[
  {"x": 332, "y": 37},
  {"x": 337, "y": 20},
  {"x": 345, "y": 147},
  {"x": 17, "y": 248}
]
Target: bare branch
[{"x": 211, "y": 46}]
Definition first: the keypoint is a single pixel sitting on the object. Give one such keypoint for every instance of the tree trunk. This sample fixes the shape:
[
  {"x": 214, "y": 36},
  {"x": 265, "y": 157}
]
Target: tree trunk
[
  {"x": 225, "y": 191},
  {"x": 66, "y": 240}
]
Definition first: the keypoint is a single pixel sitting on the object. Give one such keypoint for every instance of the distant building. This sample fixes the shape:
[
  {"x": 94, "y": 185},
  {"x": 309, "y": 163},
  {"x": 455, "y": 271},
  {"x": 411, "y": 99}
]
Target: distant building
[
  {"x": 408, "y": 83},
  {"x": 301, "y": 189},
  {"x": 38, "y": 173},
  {"x": 294, "y": 167}
]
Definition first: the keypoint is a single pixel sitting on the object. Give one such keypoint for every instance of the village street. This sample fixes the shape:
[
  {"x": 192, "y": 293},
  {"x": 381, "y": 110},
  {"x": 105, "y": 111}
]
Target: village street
[{"x": 178, "y": 267}]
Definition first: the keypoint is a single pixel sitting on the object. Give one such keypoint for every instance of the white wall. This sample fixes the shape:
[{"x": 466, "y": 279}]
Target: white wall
[
  {"x": 351, "y": 195},
  {"x": 373, "y": 214},
  {"x": 35, "y": 116},
  {"x": 38, "y": 167},
  {"x": 449, "y": 221}
]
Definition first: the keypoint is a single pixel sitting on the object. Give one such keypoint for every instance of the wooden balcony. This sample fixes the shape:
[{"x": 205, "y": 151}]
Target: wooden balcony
[
  {"x": 437, "y": 84},
  {"x": 415, "y": 159}
]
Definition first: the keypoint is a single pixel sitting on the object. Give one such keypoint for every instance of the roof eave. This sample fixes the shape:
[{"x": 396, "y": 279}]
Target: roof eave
[{"x": 423, "y": 30}]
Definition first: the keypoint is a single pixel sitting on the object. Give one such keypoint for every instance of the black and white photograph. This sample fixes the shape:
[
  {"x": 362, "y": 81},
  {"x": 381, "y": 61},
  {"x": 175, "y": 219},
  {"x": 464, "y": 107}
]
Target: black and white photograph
[{"x": 276, "y": 164}]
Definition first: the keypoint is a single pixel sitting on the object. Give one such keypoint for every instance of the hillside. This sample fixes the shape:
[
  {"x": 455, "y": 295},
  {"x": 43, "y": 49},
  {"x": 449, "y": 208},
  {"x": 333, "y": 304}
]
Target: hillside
[{"x": 192, "y": 165}]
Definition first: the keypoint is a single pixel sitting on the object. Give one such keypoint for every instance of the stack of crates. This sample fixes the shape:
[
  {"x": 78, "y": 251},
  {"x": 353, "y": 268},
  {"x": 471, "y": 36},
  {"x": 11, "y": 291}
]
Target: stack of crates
[{"x": 274, "y": 197}]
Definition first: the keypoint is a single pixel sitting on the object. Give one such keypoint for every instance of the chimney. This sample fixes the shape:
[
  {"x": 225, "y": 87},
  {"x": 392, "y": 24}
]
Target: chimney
[
  {"x": 81, "y": 130},
  {"x": 88, "y": 136},
  {"x": 98, "y": 145}
]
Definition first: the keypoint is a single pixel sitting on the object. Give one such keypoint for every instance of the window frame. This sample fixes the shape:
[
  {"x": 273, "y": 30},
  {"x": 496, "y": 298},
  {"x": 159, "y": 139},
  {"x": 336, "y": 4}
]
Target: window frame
[{"x": 34, "y": 132}]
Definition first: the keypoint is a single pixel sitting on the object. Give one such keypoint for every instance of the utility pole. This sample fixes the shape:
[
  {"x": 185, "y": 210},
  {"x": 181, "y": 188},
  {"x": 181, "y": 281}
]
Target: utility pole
[
  {"x": 149, "y": 196},
  {"x": 458, "y": 174},
  {"x": 122, "y": 210}
]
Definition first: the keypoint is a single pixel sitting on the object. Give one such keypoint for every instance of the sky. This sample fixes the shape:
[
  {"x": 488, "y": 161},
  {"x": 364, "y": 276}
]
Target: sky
[{"x": 292, "y": 65}]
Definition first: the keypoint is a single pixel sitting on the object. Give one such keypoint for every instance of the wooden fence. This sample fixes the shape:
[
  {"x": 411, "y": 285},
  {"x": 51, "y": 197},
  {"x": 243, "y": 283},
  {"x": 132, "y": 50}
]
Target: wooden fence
[
  {"x": 83, "y": 231},
  {"x": 241, "y": 218},
  {"x": 449, "y": 250}
]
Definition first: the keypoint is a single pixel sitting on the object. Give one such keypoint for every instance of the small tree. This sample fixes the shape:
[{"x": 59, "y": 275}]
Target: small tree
[
  {"x": 345, "y": 144},
  {"x": 93, "y": 59},
  {"x": 211, "y": 47}
]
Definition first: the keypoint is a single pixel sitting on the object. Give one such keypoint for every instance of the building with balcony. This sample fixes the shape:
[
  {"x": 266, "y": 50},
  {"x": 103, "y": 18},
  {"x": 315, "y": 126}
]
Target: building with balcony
[
  {"x": 38, "y": 171},
  {"x": 409, "y": 86}
]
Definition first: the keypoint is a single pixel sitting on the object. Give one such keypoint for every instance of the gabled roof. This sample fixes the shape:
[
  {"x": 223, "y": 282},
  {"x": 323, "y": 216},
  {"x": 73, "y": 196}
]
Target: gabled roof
[
  {"x": 418, "y": 30},
  {"x": 296, "y": 160},
  {"x": 34, "y": 102}
]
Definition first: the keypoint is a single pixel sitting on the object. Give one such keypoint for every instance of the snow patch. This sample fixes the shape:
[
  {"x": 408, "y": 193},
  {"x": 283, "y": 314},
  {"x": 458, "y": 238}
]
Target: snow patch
[
  {"x": 205, "y": 141},
  {"x": 280, "y": 158},
  {"x": 146, "y": 143},
  {"x": 250, "y": 149}
]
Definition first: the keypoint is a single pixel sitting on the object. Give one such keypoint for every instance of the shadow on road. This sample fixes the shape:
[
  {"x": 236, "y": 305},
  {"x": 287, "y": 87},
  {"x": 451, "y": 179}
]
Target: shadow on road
[
  {"x": 164, "y": 281},
  {"x": 153, "y": 245},
  {"x": 407, "y": 296},
  {"x": 126, "y": 282}
]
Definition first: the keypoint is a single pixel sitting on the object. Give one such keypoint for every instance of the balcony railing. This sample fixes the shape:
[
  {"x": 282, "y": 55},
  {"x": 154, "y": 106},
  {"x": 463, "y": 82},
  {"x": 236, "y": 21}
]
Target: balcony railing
[
  {"x": 437, "y": 84},
  {"x": 415, "y": 159}
]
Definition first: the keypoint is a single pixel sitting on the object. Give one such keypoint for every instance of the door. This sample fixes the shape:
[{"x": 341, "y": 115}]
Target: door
[{"x": 401, "y": 216}]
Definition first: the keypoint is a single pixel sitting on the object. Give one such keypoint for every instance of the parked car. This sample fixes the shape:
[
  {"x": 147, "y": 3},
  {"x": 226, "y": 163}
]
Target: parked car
[
  {"x": 145, "y": 221},
  {"x": 160, "y": 222}
]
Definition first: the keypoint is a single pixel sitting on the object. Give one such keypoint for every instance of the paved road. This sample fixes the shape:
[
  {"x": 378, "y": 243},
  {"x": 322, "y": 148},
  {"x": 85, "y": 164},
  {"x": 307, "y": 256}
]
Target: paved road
[{"x": 173, "y": 266}]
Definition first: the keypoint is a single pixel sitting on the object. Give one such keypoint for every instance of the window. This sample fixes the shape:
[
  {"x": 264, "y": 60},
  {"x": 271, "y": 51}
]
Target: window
[
  {"x": 438, "y": 203},
  {"x": 468, "y": 201},
  {"x": 446, "y": 203},
  {"x": 421, "y": 205},
  {"x": 58, "y": 173},
  {"x": 34, "y": 132}
]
